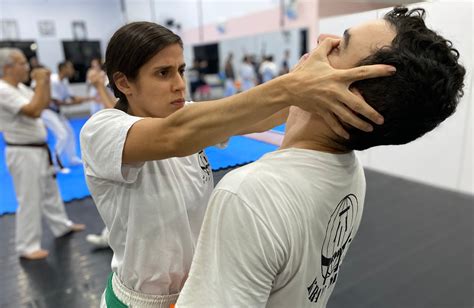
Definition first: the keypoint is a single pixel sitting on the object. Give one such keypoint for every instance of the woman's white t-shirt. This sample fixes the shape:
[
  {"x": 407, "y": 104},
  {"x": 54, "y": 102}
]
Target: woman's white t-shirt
[{"x": 153, "y": 210}]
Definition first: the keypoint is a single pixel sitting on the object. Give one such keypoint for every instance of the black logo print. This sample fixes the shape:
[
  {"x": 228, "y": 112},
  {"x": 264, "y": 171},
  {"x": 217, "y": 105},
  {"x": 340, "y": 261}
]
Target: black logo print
[
  {"x": 205, "y": 167},
  {"x": 338, "y": 236}
]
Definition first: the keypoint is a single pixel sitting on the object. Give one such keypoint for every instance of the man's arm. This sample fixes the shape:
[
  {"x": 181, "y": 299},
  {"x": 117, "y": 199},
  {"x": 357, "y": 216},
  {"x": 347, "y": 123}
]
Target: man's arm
[
  {"x": 80, "y": 99},
  {"x": 315, "y": 86},
  {"x": 73, "y": 100},
  {"x": 237, "y": 257},
  {"x": 61, "y": 94},
  {"x": 42, "y": 94}
]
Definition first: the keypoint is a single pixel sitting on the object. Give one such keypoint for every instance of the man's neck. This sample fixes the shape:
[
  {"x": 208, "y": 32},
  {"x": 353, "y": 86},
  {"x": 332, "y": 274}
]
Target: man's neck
[
  {"x": 306, "y": 131},
  {"x": 11, "y": 81}
]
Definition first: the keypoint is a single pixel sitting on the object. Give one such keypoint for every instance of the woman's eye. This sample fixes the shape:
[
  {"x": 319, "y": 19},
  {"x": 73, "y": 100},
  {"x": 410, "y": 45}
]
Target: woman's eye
[
  {"x": 182, "y": 71},
  {"x": 163, "y": 73}
]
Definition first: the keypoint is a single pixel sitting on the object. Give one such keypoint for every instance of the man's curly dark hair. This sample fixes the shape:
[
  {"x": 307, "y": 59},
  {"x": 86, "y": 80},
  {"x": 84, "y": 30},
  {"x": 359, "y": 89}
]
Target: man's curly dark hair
[{"x": 425, "y": 89}]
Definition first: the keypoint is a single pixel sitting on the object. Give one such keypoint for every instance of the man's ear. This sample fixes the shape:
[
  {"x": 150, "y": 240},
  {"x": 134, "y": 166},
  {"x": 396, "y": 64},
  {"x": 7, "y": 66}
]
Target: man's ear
[{"x": 122, "y": 83}]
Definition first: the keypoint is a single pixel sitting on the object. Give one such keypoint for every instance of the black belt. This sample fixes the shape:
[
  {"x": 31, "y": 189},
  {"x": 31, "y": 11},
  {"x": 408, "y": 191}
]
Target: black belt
[
  {"x": 36, "y": 145},
  {"x": 55, "y": 109}
]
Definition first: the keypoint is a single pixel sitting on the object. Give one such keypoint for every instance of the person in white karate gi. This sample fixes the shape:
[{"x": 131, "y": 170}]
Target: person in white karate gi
[
  {"x": 65, "y": 153},
  {"x": 27, "y": 155}
]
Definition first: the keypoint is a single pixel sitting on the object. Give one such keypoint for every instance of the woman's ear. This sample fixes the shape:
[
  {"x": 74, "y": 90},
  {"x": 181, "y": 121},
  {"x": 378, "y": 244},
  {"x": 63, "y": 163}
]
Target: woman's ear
[{"x": 122, "y": 83}]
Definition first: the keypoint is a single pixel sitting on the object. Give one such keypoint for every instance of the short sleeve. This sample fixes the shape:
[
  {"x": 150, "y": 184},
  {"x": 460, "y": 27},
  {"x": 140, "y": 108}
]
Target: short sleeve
[
  {"x": 11, "y": 101},
  {"x": 10, "y": 105},
  {"x": 236, "y": 260},
  {"x": 102, "y": 141}
]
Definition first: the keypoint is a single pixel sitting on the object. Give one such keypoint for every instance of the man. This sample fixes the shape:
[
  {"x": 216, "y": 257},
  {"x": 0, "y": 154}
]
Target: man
[
  {"x": 285, "y": 64},
  {"x": 268, "y": 69},
  {"x": 229, "y": 75},
  {"x": 247, "y": 74},
  {"x": 65, "y": 148},
  {"x": 27, "y": 154},
  {"x": 276, "y": 231}
]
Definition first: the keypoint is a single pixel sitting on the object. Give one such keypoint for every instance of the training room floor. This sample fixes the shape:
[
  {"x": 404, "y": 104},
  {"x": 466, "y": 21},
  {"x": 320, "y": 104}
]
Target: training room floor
[{"x": 414, "y": 248}]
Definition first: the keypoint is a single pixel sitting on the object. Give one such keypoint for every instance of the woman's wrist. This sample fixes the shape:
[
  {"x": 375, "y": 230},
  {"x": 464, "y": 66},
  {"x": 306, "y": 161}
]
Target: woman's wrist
[{"x": 277, "y": 91}]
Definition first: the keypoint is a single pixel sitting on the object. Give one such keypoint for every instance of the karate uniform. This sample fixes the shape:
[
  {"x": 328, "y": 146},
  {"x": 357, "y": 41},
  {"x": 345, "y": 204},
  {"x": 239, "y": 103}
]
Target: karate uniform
[
  {"x": 59, "y": 125},
  {"x": 27, "y": 159}
]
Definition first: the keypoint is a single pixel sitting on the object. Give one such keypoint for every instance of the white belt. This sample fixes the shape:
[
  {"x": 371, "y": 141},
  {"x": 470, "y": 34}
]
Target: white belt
[{"x": 135, "y": 299}]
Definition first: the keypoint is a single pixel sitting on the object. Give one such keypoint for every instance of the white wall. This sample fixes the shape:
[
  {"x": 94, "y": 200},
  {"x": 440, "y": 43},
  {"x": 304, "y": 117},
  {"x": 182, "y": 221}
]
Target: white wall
[
  {"x": 465, "y": 180},
  {"x": 102, "y": 18},
  {"x": 443, "y": 157},
  {"x": 267, "y": 44},
  {"x": 185, "y": 12}
]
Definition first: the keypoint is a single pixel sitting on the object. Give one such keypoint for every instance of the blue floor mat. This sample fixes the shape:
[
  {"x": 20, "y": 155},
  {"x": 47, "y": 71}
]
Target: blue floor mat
[
  {"x": 240, "y": 150},
  {"x": 280, "y": 128}
]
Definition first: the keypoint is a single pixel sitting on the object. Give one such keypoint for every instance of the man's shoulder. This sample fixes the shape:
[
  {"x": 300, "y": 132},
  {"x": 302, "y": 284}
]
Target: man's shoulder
[
  {"x": 4, "y": 86},
  {"x": 289, "y": 169},
  {"x": 239, "y": 177},
  {"x": 250, "y": 182},
  {"x": 13, "y": 92}
]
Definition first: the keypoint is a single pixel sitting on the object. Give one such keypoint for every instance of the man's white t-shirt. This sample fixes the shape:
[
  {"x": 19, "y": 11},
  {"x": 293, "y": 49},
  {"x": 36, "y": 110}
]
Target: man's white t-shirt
[
  {"x": 153, "y": 210},
  {"x": 19, "y": 128},
  {"x": 276, "y": 231}
]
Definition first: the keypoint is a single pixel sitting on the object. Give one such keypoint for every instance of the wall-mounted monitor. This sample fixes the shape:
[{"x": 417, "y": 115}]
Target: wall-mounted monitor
[
  {"x": 28, "y": 47},
  {"x": 210, "y": 53},
  {"x": 80, "y": 53}
]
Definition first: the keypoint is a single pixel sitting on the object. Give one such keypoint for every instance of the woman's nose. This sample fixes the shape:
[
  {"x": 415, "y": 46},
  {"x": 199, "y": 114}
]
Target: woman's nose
[{"x": 180, "y": 83}]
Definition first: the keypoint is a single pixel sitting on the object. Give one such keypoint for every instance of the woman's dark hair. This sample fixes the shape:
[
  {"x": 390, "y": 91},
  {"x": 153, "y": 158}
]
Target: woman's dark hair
[
  {"x": 131, "y": 47},
  {"x": 424, "y": 91}
]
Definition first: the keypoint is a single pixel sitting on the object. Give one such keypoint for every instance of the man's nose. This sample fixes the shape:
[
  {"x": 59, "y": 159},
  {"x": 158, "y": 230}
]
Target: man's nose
[{"x": 323, "y": 36}]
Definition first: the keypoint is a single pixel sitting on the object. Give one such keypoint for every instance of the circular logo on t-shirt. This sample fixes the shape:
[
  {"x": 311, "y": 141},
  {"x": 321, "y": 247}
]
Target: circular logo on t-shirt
[
  {"x": 338, "y": 235},
  {"x": 336, "y": 241}
]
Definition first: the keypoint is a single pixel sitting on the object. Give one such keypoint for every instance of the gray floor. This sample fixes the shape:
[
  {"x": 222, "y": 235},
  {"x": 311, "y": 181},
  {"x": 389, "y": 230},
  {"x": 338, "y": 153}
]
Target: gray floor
[{"x": 414, "y": 249}]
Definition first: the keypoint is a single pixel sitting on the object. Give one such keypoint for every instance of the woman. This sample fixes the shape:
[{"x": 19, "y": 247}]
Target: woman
[{"x": 144, "y": 162}]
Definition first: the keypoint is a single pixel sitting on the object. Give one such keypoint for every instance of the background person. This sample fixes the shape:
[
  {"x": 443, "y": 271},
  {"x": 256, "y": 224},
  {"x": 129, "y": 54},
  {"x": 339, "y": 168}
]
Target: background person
[
  {"x": 65, "y": 146},
  {"x": 27, "y": 155}
]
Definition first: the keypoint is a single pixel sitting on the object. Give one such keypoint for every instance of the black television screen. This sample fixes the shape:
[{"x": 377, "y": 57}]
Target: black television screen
[
  {"x": 28, "y": 47},
  {"x": 210, "y": 53},
  {"x": 80, "y": 53}
]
